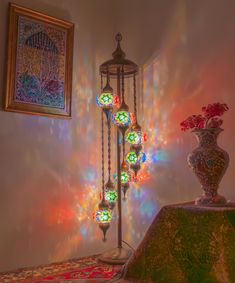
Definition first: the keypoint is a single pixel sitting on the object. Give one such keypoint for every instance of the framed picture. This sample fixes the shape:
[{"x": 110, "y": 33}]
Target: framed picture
[{"x": 39, "y": 64}]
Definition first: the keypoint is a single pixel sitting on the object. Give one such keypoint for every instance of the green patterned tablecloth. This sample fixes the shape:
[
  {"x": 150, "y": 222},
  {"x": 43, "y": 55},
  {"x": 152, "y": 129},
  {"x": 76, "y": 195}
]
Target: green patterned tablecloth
[{"x": 187, "y": 244}]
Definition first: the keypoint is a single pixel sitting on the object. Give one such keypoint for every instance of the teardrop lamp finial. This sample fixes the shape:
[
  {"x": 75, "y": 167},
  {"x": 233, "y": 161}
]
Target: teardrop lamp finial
[
  {"x": 118, "y": 53},
  {"x": 118, "y": 37}
]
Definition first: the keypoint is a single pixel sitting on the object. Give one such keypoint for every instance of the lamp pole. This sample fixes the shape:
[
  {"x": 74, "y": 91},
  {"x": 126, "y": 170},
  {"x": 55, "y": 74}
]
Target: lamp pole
[
  {"x": 119, "y": 174},
  {"x": 116, "y": 67}
]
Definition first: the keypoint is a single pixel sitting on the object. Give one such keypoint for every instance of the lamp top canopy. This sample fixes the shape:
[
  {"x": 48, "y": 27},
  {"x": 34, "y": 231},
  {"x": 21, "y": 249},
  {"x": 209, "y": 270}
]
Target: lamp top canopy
[{"x": 119, "y": 62}]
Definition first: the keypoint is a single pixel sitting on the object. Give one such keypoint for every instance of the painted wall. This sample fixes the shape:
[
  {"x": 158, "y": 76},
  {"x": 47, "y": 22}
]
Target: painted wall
[
  {"x": 48, "y": 167},
  {"x": 185, "y": 49}
]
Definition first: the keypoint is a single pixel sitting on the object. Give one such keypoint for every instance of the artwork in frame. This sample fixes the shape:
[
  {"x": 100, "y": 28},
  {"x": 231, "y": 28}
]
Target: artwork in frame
[{"x": 39, "y": 64}]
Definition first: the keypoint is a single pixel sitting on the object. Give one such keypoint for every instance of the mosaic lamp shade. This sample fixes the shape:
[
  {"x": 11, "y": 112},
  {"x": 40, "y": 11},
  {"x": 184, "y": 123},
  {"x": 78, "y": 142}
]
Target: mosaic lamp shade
[
  {"x": 106, "y": 99},
  {"x": 103, "y": 217},
  {"x": 132, "y": 158},
  {"x": 110, "y": 194},
  {"x": 135, "y": 160},
  {"x": 125, "y": 177},
  {"x": 125, "y": 174},
  {"x": 135, "y": 137},
  {"x": 122, "y": 118}
]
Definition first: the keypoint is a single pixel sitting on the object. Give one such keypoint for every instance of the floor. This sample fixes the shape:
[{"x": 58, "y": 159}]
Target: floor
[{"x": 87, "y": 269}]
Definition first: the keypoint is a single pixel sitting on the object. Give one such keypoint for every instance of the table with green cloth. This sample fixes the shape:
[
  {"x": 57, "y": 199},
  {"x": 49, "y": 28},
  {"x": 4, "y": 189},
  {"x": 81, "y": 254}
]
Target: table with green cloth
[{"x": 187, "y": 244}]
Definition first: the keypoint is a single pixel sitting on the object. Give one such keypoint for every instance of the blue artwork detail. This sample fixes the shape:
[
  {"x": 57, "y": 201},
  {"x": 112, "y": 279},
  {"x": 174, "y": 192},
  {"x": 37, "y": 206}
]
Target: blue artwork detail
[{"x": 40, "y": 65}]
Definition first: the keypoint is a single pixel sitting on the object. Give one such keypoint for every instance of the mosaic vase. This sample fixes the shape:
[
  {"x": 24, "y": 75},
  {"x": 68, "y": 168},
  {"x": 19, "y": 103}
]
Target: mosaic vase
[{"x": 209, "y": 163}]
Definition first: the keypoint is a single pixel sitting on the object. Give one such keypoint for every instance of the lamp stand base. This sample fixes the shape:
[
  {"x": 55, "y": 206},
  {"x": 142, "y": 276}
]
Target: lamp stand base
[{"x": 116, "y": 256}]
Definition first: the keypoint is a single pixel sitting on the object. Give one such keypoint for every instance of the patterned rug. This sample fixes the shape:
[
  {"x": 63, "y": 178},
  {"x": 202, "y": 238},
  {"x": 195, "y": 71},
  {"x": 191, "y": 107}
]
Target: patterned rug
[{"x": 87, "y": 269}]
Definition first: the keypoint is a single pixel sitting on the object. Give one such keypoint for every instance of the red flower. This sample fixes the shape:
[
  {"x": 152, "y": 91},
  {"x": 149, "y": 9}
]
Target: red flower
[
  {"x": 208, "y": 120},
  {"x": 193, "y": 122},
  {"x": 216, "y": 109}
]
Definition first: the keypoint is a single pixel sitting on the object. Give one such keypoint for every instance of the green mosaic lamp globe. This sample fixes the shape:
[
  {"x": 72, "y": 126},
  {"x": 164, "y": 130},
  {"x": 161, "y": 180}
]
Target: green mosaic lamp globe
[
  {"x": 110, "y": 194},
  {"x": 106, "y": 99},
  {"x": 125, "y": 178},
  {"x": 103, "y": 217},
  {"x": 122, "y": 118},
  {"x": 135, "y": 137},
  {"x": 134, "y": 161}
]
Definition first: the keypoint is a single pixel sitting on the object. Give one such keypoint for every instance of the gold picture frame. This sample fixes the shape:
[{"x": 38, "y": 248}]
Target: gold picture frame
[{"x": 39, "y": 64}]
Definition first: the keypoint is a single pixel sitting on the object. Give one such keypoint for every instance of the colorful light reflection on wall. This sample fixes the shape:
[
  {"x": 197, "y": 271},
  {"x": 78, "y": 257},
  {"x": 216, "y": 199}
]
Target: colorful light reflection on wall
[{"x": 57, "y": 169}]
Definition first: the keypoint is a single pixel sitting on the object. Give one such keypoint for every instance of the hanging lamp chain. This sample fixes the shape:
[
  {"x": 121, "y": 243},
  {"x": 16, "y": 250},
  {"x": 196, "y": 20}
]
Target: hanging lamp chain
[
  {"x": 101, "y": 82},
  {"x": 123, "y": 101},
  {"x": 102, "y": 139},
  {"x": 102, "y": 149},
  {"x": 135, "y": 98},
  {"x": 123, "y": 149},
  {"x": 109, "y": 148},
  {"x": 108, "y": 78},
  {"x": 109, "y": 133},
  {"x": 123, "y": 87}
]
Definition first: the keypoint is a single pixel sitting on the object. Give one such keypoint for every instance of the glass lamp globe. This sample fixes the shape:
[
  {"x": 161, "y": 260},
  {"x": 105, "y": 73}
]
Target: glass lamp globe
[
  {"x": 125, "y": 178},
  {"x": 135, "y": 137},
  {"x": 131, "y": 157},
  {"x": 125, "y": 173},
  {"x": 103, "y": 216},
  {"x": 134, "y": 161},
  {"x": 122, "y": 118},
  {"x": 106, "y": 99},
  {"x": 110, "y": 194}
]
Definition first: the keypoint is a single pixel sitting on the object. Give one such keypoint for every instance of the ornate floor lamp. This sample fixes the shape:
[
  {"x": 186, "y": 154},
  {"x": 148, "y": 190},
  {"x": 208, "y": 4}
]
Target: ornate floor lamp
[{"x": 128, "y": 130}]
